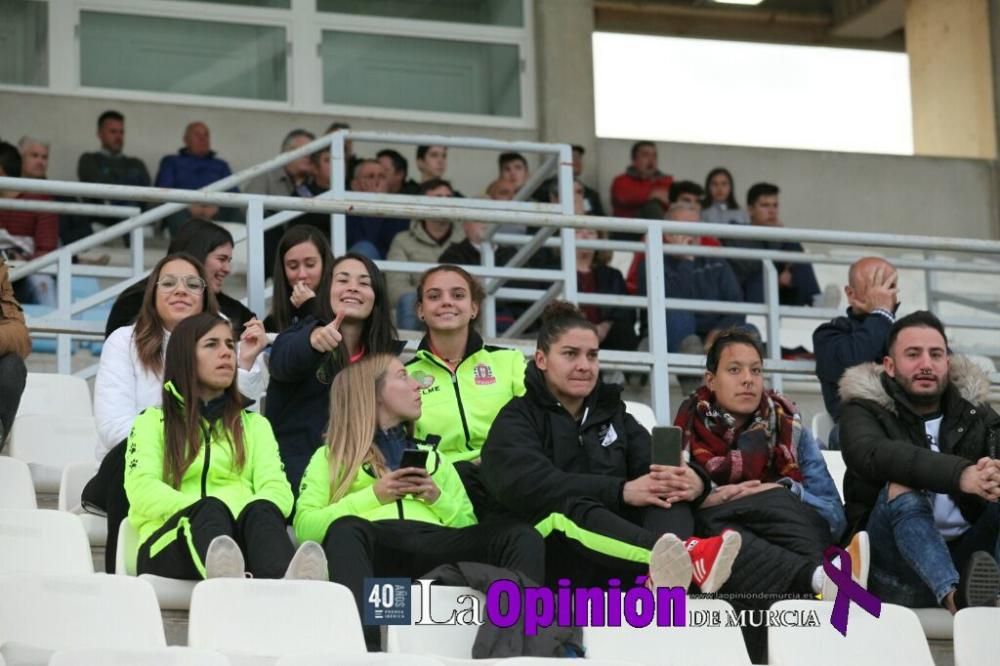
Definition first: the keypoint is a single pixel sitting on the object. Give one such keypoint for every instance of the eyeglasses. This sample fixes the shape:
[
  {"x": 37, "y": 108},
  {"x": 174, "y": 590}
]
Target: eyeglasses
[{"x": 191, "y": 283}]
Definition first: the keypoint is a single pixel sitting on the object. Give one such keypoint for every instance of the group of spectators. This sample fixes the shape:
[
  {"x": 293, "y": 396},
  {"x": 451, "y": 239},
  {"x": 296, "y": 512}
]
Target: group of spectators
[{"x": 467, "y": 453}]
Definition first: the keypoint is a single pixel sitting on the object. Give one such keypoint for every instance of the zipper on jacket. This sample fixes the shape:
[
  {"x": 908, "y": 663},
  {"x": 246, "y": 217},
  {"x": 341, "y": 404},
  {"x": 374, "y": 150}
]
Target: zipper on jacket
[
  {"x": 399, "y": 509},
  {"x": 458, "y": 397},
  {"x": 208, "y": 459}
]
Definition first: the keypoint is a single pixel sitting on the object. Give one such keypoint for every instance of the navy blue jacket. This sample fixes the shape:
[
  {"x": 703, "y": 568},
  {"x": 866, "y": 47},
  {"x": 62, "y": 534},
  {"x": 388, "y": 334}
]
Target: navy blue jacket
[
  {"x": 844, "y": 343},
  {"x": 701, "y": 278},
  {"x": 188, "y": 172}
]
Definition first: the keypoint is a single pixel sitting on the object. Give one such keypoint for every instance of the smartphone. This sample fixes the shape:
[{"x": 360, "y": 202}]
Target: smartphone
[
  {"x": 666, "y": 446},
  {"x": 414, "y": 458}
]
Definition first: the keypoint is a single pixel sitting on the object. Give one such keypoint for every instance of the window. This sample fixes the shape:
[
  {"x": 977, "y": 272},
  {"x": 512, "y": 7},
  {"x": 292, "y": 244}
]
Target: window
[
  {"x": 487, "y": 12},
  {"x": 182, "y": 56},
  {"x": 24, "y": 43}
]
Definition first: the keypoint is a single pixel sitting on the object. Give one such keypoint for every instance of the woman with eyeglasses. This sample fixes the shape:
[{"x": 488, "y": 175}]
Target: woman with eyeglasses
[
  {"x": 306, "y": 357},
  {"x": 130, "y": 374}
]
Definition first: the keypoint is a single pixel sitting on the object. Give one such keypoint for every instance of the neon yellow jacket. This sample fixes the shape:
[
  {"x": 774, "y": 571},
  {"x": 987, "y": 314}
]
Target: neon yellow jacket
[
  {"x": 315, "y": 513},
  {"x": 461, "y": 407},
  {"x": 212, "y": 473}
]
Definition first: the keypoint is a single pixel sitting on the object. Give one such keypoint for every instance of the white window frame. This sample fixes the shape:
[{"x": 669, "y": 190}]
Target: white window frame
[{"x": 303, "y": 27}]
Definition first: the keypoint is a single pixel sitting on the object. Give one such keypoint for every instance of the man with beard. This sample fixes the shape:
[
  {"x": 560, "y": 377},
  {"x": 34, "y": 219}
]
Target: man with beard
[{"x": 921, "y": 443}]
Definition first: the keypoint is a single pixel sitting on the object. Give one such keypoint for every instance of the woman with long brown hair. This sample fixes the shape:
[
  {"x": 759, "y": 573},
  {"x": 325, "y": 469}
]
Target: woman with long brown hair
[{"x": 204, "y": 480}]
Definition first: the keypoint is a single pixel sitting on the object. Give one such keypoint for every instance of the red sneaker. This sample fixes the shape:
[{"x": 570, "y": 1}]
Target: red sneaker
[{"x": 712, "y": 559}]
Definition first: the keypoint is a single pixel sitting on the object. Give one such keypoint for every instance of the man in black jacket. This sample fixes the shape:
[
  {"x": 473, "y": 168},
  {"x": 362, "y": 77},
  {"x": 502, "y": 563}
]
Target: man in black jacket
[
  {"x": 860, "y": 336},
  {"x": 920, "y": 442}
]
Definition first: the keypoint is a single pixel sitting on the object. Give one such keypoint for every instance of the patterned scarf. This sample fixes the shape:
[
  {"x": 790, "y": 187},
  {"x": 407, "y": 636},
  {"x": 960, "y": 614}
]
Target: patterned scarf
[{"x": 764, "y": 450}]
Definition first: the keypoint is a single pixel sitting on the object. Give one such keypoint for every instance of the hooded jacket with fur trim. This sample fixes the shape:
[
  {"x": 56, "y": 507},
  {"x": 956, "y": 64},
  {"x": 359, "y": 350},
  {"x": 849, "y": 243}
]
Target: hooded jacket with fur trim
[{"x": 883, "y": 438}]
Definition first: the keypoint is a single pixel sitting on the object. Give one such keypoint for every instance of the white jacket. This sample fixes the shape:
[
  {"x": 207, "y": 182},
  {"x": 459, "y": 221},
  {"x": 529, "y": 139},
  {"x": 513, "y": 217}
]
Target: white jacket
[{"x": 124, "y": 387}]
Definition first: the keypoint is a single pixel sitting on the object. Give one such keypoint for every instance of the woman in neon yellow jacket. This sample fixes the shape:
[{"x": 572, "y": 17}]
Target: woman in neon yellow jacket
[
  {"x": 207, "y": 492},
  {"x": 376, "y": 518},
  {"x": 464, "y": 382}
]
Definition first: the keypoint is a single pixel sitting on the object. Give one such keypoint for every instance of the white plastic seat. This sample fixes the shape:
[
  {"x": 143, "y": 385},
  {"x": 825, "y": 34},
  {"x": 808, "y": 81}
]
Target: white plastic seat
[
  {"x": 822, "y": 424},
  {"x": 40, "y": 541},
  {"x": 171, "y": 593},
  {"x": 977, "y": 636},
  {"x": 370, "y": 659},
  {"x": 49, "y": 444},
  {"x": 662, "y": 646},
  {"x": 272, "y": 618},
  {"x": 837, "y": 467},
  {"x": 642, "y": 413},
  {"x": 77, "y": 612},
  {"x": 170, "y": 656},
  {"x": 74, "y": 478},
  {"x": 937, "y": 623},
  {"x": 53, "y": 394},
  {"x": 17, "y": 491},
  {"x": 438, "y": 640},
  {"x": 895, "y": 637}
]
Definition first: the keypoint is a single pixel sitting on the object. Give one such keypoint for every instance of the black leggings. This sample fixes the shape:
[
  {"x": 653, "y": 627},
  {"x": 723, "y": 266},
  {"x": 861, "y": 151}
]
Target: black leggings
[
  {"x": 106, "y": 491},
  {"x": 13, "y": 375},
  {"x": 178, "y": 549}
]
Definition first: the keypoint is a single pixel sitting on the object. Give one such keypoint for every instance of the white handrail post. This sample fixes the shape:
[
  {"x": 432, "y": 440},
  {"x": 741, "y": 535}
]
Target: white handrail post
[
  {"x": 566, "y": 200},
  {"x": 338, "y": 175},
  {"x": 64, "y": 297},
  {"x": 137, "y": 247},
  {"x": 659, "y": 380},
  {"x": 255, "y": 256},
  {"x": 773, "y": 301},
  {"x": 488, "y": 259}
]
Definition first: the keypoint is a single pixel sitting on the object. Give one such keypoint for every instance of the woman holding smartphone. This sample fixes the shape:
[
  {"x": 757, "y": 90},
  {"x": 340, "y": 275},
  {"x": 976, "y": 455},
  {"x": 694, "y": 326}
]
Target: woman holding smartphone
[{"x": 376, "y": 517}]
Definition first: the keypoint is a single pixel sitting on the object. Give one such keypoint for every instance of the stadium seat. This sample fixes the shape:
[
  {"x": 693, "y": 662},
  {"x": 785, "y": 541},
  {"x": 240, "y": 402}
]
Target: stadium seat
[
  {"x": 371, "y": 659},
  {"x": 56, "y": 395},
  {"x": 16, "y": 488},
  {"x": 835, "y": 464},
  {"x": 41, "y": 541},
  {"x": 641, "y": 413},
  {"x": 937, "y": 623},
  {"x": 895, "y": 637},
  {"x": 822, "y": 424},
  {"x": 977, "y": 636},
  {"x": 171, "y": 593},
  {"x": 272, "y": 618},
  {"x": 48, "y": 613},
  {"x": 50, "y": 444},
  {"x": 665, "y": 646},
  {"x": 439, "y": 640},
  {"x": 74, "y": 478},
  {"x": 171, "y": 656}
]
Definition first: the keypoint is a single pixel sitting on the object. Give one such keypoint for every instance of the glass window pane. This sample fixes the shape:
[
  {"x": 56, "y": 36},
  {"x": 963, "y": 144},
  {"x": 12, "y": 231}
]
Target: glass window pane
[
  {"x": 421, "y": 74},
  {"x": 182, "y": 56},
  {"x": 488, "y": 12},
  {"x": 24, "y": 52},
  {"x": 276, "y": 4}
]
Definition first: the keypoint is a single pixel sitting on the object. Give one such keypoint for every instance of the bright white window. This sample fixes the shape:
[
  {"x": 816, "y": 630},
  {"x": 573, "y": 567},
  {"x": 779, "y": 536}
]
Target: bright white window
[{"x": 740, "y": 93}]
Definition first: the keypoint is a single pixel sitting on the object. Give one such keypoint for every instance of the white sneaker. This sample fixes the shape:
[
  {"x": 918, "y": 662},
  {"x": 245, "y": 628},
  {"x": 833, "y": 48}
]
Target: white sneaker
[
  {"x": 669, "y": 563},
  {"x": 224, "y": 559},
  {"x": 309, "y": 563}
]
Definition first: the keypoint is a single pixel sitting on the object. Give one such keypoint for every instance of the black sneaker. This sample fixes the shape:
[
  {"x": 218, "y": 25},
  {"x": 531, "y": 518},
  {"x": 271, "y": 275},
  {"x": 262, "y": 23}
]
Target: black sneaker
[{"x": 980, "y": 582}]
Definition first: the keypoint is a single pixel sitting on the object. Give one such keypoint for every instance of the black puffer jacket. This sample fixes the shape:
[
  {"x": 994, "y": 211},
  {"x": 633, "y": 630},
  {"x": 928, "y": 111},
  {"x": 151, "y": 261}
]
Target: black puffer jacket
[
  {"x": 536, "y": 456},
  {"x": 883, "y": 438}
]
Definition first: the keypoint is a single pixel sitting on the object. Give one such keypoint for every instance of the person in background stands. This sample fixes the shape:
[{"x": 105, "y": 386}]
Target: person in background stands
[
  {"x": 397, "y": 171},
  {"x": 858, "y": 337},
  {"x": 432, "y": 162},
  {"x": 591, "y": 199},
  {"x": 719, "y": 205},
  {"x": 513, "y": 168},
  {"x": 351, "y": 160},
  {"x": 641, "y": 182},
  {"x": 15, "y": 345},
  {"x": 369, "y": 235},
  {"x": 304, "y": 262}
]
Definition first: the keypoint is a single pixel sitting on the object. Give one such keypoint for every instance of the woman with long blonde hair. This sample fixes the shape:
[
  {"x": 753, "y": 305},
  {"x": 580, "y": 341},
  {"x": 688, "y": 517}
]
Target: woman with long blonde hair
[{"x": 384, "y": 504}]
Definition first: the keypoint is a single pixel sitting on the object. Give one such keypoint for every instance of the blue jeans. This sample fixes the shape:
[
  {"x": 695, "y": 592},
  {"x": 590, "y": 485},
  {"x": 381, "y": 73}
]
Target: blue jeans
[
  {"x": 406, "y": 312},
  {"x": 680, "y": 324},
  {"x": 912, "y": 564}
]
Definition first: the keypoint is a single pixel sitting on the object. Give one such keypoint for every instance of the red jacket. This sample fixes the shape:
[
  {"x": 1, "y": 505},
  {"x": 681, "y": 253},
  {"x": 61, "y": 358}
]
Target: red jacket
[
  {"x": 629, "y": 192},
  {"x": 43, "y": 227}
]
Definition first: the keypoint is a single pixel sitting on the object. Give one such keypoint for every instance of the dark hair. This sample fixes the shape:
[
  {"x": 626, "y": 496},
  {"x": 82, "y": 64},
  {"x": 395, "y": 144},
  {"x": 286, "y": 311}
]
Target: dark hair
[
  {"x": 577, "y": 148},
  {"x": 399, "y": 162},
  {"x": 761, "y": 190},
  {"x": 638, "y": 145},
  {"x": 651, "y": 210},
  {"x": 182, "y": 421},
  {"x": 731, "y": 199},
  {"x": 378, "y": 336},
  {"x": 476, "y": 292},
  {"x": 109, "y": 115},
  {"x": 433, "y": 184},
  {"x": 10, "y": 160},
  {"x": 294, "y": 134},
  {"x": 511, "y": 157},
  {"x": 558, "y": 318},
  {"x": 552, "y": 187},
  {"x": 336, "y": 125},
  {"x": 281, "y": 307},
  {"x": 731, "y": 336},
  {"x": 685, "y": 187},
  {"x": 148, "y": 333},
  {"x": 422, "y": 151},
  {"x": 921, "y": 319},
  {"x": 198, "y": 238}
]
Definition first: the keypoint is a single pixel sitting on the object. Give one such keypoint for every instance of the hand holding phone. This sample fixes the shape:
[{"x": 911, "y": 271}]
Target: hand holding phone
[{"x": 666, "y": 446}]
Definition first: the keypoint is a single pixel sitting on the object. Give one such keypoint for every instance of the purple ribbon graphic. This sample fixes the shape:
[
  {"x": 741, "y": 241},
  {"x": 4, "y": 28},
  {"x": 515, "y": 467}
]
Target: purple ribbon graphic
[{"x": 847, "y": 589}]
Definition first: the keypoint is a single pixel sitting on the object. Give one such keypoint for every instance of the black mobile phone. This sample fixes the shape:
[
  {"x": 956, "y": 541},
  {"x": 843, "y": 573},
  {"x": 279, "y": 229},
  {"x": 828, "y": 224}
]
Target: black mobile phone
[
  {"x": 666, "y": 446},
  {"x": 414, "y": 458}
]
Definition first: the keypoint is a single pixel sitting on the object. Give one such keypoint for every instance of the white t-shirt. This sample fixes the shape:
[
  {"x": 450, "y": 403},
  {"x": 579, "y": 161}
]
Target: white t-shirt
[{"x": 947, "y": 518}]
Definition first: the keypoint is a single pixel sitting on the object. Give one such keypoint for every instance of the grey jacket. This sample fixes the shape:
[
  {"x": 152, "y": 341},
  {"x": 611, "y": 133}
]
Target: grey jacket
[{"x": 415, "y": 245}]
